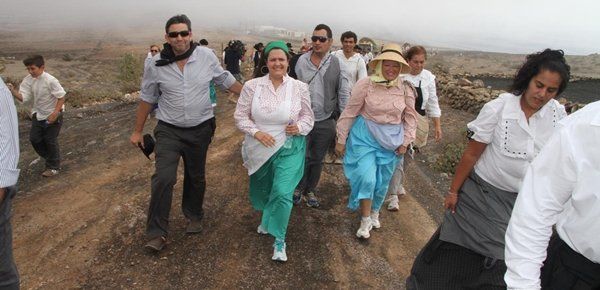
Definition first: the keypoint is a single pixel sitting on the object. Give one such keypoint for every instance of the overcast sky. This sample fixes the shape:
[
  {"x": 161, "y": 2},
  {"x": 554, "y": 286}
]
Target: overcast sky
[{"x": 516, "y": 26}]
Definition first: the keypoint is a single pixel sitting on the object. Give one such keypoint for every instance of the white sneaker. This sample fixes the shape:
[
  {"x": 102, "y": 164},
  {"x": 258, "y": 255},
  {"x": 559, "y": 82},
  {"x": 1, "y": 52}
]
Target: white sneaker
[
  {"x": 393, "y": 205},
  {"x": 365, "y": 227},
  {"x": 261, "y": 231},
  {"x": 375, "y": 219},
  {"x": 402, "y": 190},
  {"x": 279, "y": 251}
]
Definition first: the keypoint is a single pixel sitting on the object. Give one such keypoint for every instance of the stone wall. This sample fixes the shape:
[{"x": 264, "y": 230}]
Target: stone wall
[{"x": 463, "y": 94}]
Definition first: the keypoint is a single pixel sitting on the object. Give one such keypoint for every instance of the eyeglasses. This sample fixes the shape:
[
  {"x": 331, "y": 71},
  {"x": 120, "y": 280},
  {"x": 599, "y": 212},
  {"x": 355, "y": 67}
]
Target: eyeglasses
[
  {"x": 153, "y": 50},
  {"x": 316, "y": 38},
  {"x": 174, "y": 34}
]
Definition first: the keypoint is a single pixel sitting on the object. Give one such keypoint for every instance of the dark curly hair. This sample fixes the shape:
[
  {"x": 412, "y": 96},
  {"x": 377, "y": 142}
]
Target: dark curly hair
[
  {"x": 552, "y": 60},
  {"x": 258, "y": 72}
]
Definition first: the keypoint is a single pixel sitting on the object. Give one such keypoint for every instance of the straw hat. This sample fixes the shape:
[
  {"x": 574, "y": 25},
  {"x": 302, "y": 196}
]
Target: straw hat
[{"x": 391, "y": 51}]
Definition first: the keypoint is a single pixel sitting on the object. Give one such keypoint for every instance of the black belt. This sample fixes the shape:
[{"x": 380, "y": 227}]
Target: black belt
[{"x": 209, "y": 121}]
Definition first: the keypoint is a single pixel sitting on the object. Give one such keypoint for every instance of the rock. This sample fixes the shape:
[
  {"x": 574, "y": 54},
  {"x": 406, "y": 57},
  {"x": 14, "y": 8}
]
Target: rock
[
  {"x": 478, "y": 83},
  {"x": 464, "y": 82},
  {"x": 79, "y": 115}
]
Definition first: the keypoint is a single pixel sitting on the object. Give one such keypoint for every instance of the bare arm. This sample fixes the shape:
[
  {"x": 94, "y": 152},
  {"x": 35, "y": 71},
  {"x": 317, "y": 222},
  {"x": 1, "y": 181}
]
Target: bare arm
[
  {"x": 140, "y": 119},
  {"x": 463, "y": 169},
  {"x": 437, "y": 124},
  {"x": 236, "y": 88}
]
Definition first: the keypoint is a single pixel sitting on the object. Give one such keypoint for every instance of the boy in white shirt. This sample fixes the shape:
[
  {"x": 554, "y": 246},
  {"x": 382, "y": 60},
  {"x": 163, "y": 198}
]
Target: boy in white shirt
[{"x": 48, "y": 101}]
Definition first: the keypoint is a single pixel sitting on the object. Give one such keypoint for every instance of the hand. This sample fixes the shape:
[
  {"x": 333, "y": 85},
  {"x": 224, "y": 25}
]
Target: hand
[
  {"x": 136, "y": 139},
  {"x": 401, "y": 150},
  {"x": 340, "y": 150},
  {"x": 292, "y": 129},
  {"x": 451, "y": 201},
  {"x": 438, "y": 134},
  {"x": 2, "y": 194},
  {"x": 264, "y": 139},
  {"x": 52, "y": 118}
]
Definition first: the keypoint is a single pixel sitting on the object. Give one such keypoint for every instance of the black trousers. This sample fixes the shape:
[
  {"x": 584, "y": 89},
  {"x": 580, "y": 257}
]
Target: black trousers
[
  {"x": 173, "y": 143},
  {"x": 9, "y": 276},
  {"x": 44, "y": 139},
  {"x": 446, "y": 266},
  {"x": 318, "y": 142},
  {"x": 566, "y": 269}
]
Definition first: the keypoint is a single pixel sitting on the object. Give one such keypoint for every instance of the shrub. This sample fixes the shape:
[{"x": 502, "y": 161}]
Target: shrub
[
  {"x": 67, "y": 57},
  {"x": 130, "y": 72},
  {"x": 450, "y": 157}
]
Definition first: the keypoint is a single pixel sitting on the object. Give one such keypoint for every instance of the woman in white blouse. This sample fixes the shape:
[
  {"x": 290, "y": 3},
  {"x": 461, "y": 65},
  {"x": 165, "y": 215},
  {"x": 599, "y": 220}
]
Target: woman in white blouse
[
  {"x": 426, "y": 105},
  {"x": 467, "y": 251},
  {"x": 274, "y": 112}
]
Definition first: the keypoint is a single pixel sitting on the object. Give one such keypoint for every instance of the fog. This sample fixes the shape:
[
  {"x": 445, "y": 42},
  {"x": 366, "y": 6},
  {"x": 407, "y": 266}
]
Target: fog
[{"x": 503, "y": 26}]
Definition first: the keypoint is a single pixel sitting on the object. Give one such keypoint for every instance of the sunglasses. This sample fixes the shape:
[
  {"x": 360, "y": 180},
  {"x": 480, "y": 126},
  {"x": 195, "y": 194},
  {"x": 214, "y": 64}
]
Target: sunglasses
[
  {"x": 316, "y": 38},
  {"x": 174, "y": 34},
  {"x": 154, "y": 50}
]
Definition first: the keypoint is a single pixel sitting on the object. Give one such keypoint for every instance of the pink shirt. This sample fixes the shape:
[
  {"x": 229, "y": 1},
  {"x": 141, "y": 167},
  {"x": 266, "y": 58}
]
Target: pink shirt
[
  {"x": 270, "y": 99},
  {"x": 393, "y": 105}
]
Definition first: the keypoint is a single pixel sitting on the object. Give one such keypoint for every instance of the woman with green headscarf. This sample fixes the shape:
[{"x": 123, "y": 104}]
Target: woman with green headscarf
[
  {"x": 374, "y": 131},
  {"x": 274, "y": 112}
]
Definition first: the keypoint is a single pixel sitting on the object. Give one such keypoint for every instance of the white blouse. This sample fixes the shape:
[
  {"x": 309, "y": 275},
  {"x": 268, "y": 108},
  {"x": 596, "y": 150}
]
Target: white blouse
[
  {"x": 512, "y": 141},
  {"x": 430, "y": 99}
]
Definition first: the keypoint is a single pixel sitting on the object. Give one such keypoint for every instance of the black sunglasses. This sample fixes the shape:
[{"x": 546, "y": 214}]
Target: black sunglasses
[
  {"x": 174, "y": 34},
  {"x": 154, "y": 50},
  {"x": 316, "y": 38}
]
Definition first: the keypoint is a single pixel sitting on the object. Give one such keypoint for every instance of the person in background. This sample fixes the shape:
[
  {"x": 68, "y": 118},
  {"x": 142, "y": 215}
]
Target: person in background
[
  {"x": 233, "y": 57},
  {"x": 290, "y": 48},
  {"x": 274, "y": 112},
  {"x": 9, "y": 174},
  {"x": 561, "y": 189},
  {"x": 352, "y": 61},
  {"x": 47, "y": 118},
  {"x": 467, "y": 251},
  {"x": 154, "y": 50},
  {"x": 374, "y": 132},
  {"x": 427, "y": 105},
  {"x": 258, "y": 48}
]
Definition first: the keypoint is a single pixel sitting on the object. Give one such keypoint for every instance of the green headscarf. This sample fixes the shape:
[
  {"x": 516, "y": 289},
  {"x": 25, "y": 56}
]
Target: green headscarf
[{"x": 276, "y": 44}]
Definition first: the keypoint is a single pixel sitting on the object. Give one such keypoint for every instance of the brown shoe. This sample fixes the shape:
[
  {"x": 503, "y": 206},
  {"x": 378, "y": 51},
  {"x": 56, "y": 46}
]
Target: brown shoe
[
  {"x": 156, "y": 244},
  {"x": 50, "y": 172},
  {"x": 194, "y": 227}
]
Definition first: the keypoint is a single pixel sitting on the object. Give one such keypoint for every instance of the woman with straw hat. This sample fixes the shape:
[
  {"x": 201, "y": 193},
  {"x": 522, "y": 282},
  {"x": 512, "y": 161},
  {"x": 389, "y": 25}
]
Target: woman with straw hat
[
  {"x": 274, "y": 111},
  {"x": 374, "y": 131}
]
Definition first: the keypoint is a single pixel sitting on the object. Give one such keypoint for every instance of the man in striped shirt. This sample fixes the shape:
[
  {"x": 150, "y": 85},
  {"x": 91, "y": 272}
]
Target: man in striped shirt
[{"x": 9, "y": 157}]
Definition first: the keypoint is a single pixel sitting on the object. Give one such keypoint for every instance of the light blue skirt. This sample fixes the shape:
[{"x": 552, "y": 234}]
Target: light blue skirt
[{"x": 368, "y": 167}]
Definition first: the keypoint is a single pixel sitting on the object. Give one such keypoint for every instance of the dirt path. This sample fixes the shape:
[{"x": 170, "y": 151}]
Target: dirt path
[{"x": 86, "y": 227}]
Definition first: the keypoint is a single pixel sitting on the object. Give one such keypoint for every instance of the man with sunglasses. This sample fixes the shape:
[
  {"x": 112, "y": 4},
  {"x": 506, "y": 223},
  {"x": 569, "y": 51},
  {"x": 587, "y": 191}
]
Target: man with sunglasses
[
  {"x": 181, "y": 76},
  {"x": 329, "y": 91}
]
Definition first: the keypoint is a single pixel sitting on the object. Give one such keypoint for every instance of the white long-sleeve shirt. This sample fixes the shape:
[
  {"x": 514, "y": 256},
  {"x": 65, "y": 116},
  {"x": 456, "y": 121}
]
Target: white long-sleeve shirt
[
  {"x": 562, "y": 187},
  {"x": 355, "y": 66},
  {"x": 9, "y": 138},
  {"x": 430, "y": 99}
]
